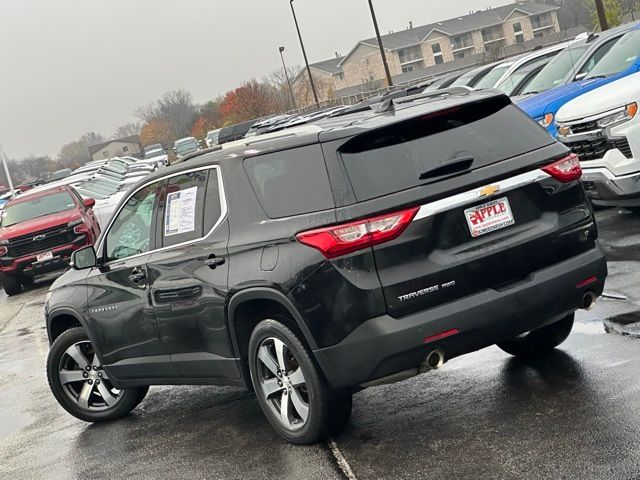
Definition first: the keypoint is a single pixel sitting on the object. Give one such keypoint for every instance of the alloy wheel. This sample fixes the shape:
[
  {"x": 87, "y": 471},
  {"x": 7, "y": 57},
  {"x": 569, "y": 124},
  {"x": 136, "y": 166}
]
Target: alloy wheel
[
  {"x": 84, "y": 381},
  {"x": 283, "y": 383}
]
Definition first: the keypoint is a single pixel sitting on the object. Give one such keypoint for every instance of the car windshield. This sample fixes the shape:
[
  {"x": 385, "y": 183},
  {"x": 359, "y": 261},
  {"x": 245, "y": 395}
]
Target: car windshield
[
  {"x": 155, "y": 146},
  {"x": 556, "y": 70},
  {"x": 620, "y": 57},
  {"x": 186, "y": 146},
  {"x": 37, "y": 207},
  {"x": 213, "y": 136},
  {"x": 511, "y": 82},
  {"x": 490, "y": 79},
  {"x": 154, "y": 153}
]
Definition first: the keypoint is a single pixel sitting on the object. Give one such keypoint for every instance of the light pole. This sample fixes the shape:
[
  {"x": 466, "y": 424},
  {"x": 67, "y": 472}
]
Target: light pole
[
  {"x": 3, "y": 158},
  {"x": 602, "y": 15},
  {"x": 286, "y": 74},
  {"x": 384, "y": 57},
  {"x": 304, "y": 54}
]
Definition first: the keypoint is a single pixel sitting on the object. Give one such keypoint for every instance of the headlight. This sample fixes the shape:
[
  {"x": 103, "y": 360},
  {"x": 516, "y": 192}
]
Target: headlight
[
  {"x": 622, "y": 115},
  {"x": 73, "y": 223},
  {"x": 546, "y": 120},
  {"x": 4, "y": 241}
]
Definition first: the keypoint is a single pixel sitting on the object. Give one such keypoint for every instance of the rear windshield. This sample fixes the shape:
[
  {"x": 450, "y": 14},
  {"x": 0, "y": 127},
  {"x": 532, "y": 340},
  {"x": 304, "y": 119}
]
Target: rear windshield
[
  {"x": 38, "y": 207},
  {"x": 392, "y": 159}
]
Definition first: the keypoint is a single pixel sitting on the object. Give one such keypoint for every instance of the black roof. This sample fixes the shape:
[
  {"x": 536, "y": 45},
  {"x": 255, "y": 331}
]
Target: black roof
[{"x": 332, "y": 128}]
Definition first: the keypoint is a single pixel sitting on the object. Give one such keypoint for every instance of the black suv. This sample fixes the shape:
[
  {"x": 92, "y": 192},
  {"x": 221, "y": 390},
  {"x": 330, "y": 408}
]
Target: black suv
[{"x": 351, "y": 252}]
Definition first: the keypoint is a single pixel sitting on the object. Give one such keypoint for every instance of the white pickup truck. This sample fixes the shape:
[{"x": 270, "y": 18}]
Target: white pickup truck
[{"x": 602, "y": 127}]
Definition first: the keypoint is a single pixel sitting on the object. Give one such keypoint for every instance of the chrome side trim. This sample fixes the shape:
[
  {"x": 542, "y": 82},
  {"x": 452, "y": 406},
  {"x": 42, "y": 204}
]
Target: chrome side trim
[
  {"x": 223, "y": 213},
  {"x": 461, "y": 199}
]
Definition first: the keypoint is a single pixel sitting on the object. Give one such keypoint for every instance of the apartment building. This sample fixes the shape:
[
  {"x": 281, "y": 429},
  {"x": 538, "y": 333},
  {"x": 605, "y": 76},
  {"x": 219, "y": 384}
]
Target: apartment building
[{"x": 486, "y": 32}]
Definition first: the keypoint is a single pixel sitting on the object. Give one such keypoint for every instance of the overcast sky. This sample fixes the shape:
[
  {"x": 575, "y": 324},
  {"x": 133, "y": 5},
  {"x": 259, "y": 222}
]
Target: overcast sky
[{"x": 71, "y": 66}]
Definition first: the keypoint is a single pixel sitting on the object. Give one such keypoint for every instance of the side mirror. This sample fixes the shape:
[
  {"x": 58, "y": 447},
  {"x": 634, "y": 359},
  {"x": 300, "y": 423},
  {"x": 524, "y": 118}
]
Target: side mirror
[
  {"x": 89, "y": 202},
  {"x": 84, "y": 258},
  {"x": 580, "y": 76}
]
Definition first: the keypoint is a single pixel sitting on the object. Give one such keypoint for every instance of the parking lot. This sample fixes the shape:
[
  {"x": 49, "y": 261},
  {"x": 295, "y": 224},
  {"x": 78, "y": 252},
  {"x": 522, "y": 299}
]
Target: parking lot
[{"x": 572, "y": 414}]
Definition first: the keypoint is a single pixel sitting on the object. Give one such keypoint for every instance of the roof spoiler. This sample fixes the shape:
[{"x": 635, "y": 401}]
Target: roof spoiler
[{"x": 387, "y": 105}]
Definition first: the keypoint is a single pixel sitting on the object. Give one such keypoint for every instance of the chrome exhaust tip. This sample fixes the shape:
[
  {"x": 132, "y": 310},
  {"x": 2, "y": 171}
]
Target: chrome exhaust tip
[
  {"x": 588, "y": 301},
  {"x": 433, "y": 360}
]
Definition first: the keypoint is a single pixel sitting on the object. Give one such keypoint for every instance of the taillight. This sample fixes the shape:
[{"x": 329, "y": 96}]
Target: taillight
[
  {"x": 350, "y": 237},
  {"x": 566, "y": 170}
]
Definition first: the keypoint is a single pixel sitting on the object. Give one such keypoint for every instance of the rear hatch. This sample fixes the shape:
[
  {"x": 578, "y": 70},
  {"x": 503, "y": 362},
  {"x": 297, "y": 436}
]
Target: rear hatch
[{"x": 487, "y": 211}]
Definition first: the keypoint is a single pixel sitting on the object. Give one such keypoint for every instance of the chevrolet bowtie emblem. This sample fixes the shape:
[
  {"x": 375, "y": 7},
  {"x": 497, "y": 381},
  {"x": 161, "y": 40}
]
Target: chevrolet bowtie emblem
[
  {"x": 564, "y": 131},
  {"x": 488, "y": 190}
]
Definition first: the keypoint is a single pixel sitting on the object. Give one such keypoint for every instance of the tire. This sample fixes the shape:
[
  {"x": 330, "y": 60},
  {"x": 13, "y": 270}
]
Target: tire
[
  {"x": 302, "y": 386},
  {"x": 539, "y": 341},
  {"x": 11, "y": 285},
  {"x": 68, "y": 393}
]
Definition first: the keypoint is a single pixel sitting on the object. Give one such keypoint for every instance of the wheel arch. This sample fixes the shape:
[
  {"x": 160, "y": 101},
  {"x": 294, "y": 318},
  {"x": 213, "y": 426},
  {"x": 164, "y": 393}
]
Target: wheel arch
[
  {"x": 61, "y": 320},
  {"x": 242, "y": 315}
]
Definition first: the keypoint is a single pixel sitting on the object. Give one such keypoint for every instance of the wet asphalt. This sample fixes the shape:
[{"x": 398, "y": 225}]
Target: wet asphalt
[{"x": 573, "y": 414}]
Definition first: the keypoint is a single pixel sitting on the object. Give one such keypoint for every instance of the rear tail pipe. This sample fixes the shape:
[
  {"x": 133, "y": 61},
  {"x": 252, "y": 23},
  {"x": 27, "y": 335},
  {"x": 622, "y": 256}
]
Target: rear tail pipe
[
  {"x": 588, "y": 300},
  {"x": 433, "y": 360}
]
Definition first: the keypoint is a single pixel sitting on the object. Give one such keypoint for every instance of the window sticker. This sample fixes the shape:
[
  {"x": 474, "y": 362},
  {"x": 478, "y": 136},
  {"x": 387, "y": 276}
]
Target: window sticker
[{"x": 180, "y": 215}]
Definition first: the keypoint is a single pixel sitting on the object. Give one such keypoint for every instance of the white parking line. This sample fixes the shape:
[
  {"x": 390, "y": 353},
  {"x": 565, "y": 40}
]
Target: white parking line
[{"x": 342, "y": 462}]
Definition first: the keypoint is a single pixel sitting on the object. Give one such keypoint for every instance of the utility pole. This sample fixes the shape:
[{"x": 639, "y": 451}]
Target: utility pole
[
  {"x": 384, "y": 57},
  {"x": 6, "y": 170},
  {"x": 304, "y": 54},
  {"x": 286, "y": 74},
  {"x": 602, "y": 15}
]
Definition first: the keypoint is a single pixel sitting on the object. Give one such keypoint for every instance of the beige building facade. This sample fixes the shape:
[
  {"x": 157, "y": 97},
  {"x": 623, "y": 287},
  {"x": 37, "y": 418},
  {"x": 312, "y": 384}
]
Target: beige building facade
[{"x": 484, "y": 32}]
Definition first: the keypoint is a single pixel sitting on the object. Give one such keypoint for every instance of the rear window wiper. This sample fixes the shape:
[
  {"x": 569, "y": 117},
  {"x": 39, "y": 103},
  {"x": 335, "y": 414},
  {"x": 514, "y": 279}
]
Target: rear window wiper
[{"x": 454, "y": 166}]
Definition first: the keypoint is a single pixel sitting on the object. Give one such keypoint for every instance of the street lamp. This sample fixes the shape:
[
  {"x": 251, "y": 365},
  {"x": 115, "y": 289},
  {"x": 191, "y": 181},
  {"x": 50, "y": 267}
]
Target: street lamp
[
  {"x": 384, "y": 57},
  {"x": 304, "y": 54},
  {"x": 286, "y": 74}
]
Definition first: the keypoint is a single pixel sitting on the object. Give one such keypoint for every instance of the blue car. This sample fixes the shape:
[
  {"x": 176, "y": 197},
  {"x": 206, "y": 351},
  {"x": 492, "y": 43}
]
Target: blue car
[{"x": 621, "y": 60}]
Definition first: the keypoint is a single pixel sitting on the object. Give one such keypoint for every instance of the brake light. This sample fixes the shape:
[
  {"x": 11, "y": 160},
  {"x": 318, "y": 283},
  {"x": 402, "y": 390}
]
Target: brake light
[
  {"x": 351, "y": 237},
  {"x": 566, "y": 170}
]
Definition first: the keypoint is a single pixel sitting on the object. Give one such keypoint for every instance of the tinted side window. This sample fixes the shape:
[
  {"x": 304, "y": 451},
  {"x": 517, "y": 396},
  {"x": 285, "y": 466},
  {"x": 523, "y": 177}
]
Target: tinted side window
[
  {"x": 184, "y": 208},
  {"x": 598, "y": 54},
  {"x": 130, "y": 232},
  {"x": 291, "y": 182},
  {"x": 212, "y": 205}
]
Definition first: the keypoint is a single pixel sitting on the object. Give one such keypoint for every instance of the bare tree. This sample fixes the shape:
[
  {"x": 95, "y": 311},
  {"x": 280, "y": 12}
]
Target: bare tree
[
  {"x": 175, "y": 107},
  {"x": 74, "y": 154},
  {"x": 92, "y": 138},
  {"x": 127, "y": 130}
]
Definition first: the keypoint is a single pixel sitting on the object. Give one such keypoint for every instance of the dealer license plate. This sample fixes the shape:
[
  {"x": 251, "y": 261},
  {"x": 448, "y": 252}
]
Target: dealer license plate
[
  {"x": 41, "y": 257},
  {"x": 489, "y": 217}
]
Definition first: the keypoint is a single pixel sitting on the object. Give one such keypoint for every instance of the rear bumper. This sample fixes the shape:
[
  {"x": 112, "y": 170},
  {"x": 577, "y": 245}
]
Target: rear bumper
[
  {"x": 384, "y": 345},
  {"x": 606, "y": 189}
]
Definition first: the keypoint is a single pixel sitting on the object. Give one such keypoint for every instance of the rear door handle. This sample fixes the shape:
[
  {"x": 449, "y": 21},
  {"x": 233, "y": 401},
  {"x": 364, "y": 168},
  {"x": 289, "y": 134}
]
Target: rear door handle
[
  {"x": 137, "y": 275},
  {"x": 213, "y": 261}
]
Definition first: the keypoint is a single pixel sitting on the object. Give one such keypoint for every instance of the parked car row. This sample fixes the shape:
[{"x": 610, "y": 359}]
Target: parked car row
[{"x": 41, "y": 228}]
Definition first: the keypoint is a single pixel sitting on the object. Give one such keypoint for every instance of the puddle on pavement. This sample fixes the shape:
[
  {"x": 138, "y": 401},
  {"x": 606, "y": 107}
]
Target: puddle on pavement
[
  {"x": 11, "y": 422},
  {"x": 626, "y": 318}
]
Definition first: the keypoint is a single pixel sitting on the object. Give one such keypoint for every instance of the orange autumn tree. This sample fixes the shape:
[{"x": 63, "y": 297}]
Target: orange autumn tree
[
  {"x": 200, "y": 128},
  {"x": 251, "y": 100},
  {"x": 157, "y": 131}
]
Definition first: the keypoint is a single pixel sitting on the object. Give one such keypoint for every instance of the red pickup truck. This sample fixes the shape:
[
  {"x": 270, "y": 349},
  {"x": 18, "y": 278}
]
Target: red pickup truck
[{"x": 39, "y": 231}]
